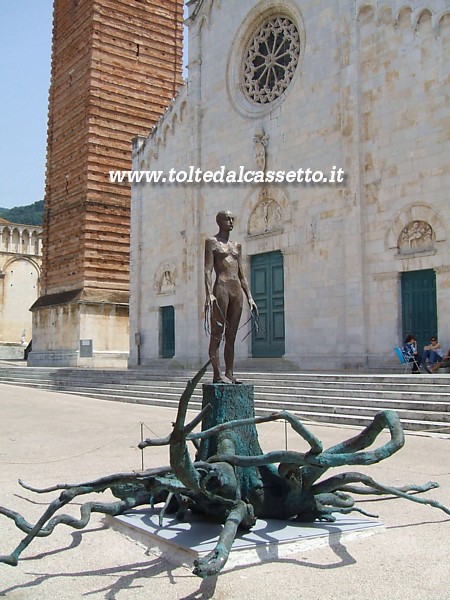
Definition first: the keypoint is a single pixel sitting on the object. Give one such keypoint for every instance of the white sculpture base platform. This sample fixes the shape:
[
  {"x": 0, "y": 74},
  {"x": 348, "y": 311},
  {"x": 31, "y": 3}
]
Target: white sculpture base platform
[{"x": 181, "y": 542}]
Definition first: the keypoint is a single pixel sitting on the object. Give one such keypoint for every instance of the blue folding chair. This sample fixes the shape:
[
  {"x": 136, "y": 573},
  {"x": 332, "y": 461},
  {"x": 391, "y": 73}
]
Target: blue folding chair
[{"x": 405, "y": 361}]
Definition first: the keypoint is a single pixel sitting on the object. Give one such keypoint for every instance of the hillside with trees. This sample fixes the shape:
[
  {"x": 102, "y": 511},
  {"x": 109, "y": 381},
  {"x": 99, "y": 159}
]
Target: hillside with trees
[{"x": 32, "y": 214}]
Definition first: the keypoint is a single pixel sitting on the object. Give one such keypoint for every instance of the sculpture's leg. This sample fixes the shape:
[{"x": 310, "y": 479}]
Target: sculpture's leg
[
  {"x": 215, "y": 560},
  {"x": 233, "y": 318},
  {"x": 45, "y": 525},
  {"x": 63, "y": 499},
  {"x": 218, "y": 327},
  {"x": 86, "y": 509},
  {"x": 213, "y": 352}
]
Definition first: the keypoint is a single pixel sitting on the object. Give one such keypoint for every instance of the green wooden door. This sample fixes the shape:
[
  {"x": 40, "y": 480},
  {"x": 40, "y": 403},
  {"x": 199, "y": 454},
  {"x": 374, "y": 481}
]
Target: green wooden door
[
  {"x": 267, "y": 281},
  {"x": 419, "y": 305},
  {"x": 167, "y": 331}
]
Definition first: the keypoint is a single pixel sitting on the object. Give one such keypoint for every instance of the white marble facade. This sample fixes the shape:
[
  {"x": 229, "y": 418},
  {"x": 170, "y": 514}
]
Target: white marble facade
[{"x": 366, "y": 90}]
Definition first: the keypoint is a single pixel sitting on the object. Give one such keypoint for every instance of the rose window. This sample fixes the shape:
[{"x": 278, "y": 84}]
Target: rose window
[{"x": 271, "y": 59}]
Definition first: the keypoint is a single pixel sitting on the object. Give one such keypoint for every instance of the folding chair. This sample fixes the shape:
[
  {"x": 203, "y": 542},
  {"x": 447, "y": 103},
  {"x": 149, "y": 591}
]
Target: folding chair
[{"x": 405, "y": 361}]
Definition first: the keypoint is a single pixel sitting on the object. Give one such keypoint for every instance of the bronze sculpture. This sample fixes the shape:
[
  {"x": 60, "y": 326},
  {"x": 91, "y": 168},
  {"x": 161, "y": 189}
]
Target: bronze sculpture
[
  {"x": 231, "y": 479},
  {"x": 224, "y": 300}
]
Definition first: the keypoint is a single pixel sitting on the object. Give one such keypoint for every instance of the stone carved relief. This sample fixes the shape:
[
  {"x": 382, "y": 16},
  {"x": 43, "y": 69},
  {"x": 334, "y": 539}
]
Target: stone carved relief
[
  {"x": 266, "y": 217},
  {"x": 165, "y": 280},
  {"x": 416, "y": 237},
  {"x": 260, "y": 143}
]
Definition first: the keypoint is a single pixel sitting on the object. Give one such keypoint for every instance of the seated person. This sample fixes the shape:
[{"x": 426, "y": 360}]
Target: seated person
[
  {"x": 411, "y": 354},
  {"x": 443, "y": 364},
  {"x": 432, "y": 352}
]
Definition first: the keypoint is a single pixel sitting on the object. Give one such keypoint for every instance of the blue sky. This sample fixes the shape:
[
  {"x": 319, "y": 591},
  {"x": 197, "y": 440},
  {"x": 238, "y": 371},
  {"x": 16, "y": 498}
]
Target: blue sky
[
  {"x": 25, "y": 53},
  {"x": 25, "y": 50}
]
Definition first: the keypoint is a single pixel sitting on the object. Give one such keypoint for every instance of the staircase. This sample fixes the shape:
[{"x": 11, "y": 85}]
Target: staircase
[{"x": 421, "y": 401}]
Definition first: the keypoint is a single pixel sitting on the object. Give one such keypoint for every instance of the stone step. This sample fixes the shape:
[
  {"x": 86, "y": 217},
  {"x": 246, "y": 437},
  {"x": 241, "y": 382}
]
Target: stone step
[
  {"x": 328, "y": 405},
  {"x": 418, "y": 419},
  {"x": 279, "y": 393},
  {"x": 422, "y": 401},
  {"x": 435, "y": 424},
  {"x": 281, "y": 399},
  {"x": 411, "y": 384},
  {"x": 144, "y": 375}
]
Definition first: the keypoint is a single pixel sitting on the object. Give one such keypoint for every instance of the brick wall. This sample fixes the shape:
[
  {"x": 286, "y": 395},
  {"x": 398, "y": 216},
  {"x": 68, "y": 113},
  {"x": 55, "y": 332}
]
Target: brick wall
[{"x": 116, "y": 65}]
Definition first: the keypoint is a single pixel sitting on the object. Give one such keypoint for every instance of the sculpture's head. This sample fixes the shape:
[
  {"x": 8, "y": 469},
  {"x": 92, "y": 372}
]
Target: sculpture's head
[{"x": 225, "y": 220}]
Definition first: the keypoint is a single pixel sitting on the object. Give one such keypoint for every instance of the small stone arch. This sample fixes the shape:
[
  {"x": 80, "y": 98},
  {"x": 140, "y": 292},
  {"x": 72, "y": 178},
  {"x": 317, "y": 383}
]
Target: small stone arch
[
  {"x": 404, "y": 16},
  {"x": 165, "y": 278},
  {"x": 182, "y": 110},
  {"x": 5, "y": 239},
  {"x": 205, "y": 16},
  {"x": 366, "y": 11},
  {"x": 22, "y": 259},
  {"x": 415, "y": 229},
  {"x": 266, "y": 212},
  {"x": 385, "y": 15},
  {"x": 15, "y": 242},
  {"x": 442, "y": 20},
  {"x": 421, "y": 18}
]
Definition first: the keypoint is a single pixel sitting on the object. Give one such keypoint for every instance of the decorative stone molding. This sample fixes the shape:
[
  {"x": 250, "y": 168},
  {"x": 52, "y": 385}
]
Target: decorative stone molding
[
  {"x": 21, "y": 239},
  {"x": 148, "y": 148},
  {"x": 442, "y": 270},
  {"x": 200, "y": 12},
  {"x": 392, "y": 276},
  {"x": 398, "y": 11}
]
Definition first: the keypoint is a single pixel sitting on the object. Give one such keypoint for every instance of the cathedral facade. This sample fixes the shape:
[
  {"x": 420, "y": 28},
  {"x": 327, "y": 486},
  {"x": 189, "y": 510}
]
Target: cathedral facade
[{"x": 325, "y": 128}]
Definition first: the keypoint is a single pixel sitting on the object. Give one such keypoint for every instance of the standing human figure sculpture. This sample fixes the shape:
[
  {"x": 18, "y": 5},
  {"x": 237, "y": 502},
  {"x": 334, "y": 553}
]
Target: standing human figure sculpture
[{"x": 224, "y": 300}]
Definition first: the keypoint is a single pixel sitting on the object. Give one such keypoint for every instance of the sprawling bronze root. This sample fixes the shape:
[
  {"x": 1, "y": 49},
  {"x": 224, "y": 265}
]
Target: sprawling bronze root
[{"x": 235, "y": 488}]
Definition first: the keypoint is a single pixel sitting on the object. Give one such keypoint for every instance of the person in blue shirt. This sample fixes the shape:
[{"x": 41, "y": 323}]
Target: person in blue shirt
[{"x": 411, "y": 353}]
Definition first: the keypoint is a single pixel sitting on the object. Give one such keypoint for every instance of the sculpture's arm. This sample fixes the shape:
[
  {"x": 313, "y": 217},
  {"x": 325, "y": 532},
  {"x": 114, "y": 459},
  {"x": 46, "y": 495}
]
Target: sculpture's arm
[
  {"x": 209, "y": 265},
  {"x": 244, "y": 282}
]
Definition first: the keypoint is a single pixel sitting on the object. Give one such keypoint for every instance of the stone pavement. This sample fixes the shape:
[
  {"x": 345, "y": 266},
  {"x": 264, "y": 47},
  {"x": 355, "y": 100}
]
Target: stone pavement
[{"x": 48, "y": 438}]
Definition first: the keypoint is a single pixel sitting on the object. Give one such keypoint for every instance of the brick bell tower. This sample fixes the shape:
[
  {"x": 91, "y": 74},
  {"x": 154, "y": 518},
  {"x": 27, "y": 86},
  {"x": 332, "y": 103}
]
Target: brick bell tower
[{"x": 116, "y": 65}]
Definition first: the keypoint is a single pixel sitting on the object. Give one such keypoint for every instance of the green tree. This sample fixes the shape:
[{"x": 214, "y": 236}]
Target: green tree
[{"x": 32, "y": 214}]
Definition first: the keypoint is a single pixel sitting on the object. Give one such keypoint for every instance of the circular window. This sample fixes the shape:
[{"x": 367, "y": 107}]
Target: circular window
[
  {"x": 270, "y": 60},
  {"x": 265, "y": 57}
]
